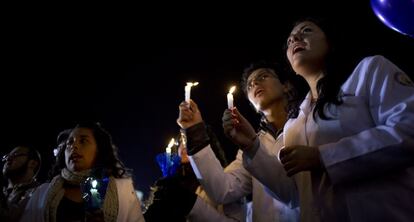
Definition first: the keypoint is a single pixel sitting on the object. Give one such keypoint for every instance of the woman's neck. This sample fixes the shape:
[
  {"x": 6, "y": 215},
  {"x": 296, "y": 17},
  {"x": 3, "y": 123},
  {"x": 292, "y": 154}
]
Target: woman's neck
[{"x": 312, "y": 80}]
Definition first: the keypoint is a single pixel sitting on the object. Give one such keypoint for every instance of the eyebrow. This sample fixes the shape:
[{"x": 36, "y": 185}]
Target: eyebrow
[
  {"x": 301, "y": 28},
  {"x": 80, "y": 136},
  {"x": 260, "y": 73}
]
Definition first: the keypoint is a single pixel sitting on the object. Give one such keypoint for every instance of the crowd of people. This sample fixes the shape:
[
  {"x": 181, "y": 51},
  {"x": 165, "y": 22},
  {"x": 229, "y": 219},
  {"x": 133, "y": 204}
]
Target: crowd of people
[{"x": 335, "y": 143}]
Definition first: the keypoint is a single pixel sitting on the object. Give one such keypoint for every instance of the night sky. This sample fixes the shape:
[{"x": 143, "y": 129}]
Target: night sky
[{"x": 128, "y": 72}]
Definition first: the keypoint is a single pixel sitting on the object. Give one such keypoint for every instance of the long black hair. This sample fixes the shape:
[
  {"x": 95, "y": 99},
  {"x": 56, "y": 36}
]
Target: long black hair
[
  {"x": 107, "y": 155},
  {"x": 338, "y": 67}
]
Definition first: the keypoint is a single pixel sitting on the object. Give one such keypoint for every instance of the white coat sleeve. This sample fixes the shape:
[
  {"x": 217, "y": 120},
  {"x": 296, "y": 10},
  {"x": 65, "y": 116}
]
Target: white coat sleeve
[
  {"x": 386, "y": 146},
  {"x": 129, "y": 205},
  {"x": 202, "y": 211},
  {"x": 222, "y": 187},
  {"x": 267, "y": 169}
]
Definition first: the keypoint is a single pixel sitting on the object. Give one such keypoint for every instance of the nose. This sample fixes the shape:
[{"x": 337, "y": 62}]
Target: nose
[
  {"x": 294, "y": 37},
  {"x": 253, "y": 84},
  {"x": 73, "y": 145}
]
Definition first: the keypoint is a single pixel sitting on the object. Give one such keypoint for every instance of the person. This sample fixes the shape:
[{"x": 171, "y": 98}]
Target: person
[
  {"x": 349, "y": 147},
  {"x": 20, "y": 168},
  {"x": 266, "y": 86},
  {"x": 180, "y": 197},
  {"x": 89, "y": 155}
]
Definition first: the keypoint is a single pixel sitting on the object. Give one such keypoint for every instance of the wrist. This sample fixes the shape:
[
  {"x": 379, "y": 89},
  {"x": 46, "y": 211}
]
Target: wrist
[
  {"x": 251, "y": 151},
  {"x": 197, "y": 138}
]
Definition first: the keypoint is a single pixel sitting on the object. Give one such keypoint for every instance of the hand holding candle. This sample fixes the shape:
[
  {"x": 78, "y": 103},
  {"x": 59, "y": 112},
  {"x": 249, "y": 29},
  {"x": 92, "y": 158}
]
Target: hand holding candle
[
  {"x": 187, "y": 90},
  {"x": 230, "y": 99}
]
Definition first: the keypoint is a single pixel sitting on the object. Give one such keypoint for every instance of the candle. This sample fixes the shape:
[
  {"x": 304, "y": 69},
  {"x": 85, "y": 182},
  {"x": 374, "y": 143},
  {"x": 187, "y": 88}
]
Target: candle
[
  {"x": 187, "y": 90},
  {"x": 230, "y": 97},
  {"x": 171, "y": 144},
  {"x": 168, "y": 161},
  {"x": 95, "y": 196}
]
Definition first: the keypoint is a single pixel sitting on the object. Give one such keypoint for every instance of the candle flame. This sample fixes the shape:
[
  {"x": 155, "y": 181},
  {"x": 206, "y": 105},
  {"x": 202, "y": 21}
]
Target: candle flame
[
  {"x": 94, "y": 183},
  {"x": 232, "y": 89},
  {"x": 171, "y": 144},
  {"x": 190, "y": 84}
]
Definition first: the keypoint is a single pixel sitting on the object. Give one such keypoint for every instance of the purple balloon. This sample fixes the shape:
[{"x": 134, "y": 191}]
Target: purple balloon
[{"x": 396, "y": 14}]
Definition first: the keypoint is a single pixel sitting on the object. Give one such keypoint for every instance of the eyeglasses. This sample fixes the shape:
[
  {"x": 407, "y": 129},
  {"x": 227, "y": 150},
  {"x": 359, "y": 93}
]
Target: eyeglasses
[
  {"x": 12, "y": 156},
  {"x": 256, "y": 79}
]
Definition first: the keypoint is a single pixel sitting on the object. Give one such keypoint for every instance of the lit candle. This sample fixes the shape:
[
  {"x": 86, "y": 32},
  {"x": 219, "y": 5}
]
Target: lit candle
[
  {"x": 168, "y": 153},
  {"x": 230, "y": 97},
  {"x": 95, "y": 199},
  {"x": 187, "y": 90},
  {"x": 171, "y": 144}
]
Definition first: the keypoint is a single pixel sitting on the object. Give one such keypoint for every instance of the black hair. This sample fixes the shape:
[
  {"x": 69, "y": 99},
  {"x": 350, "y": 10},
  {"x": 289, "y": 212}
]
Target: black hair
[
  {"x": 107, "y": 155},
  {"x": 63, "y": 136},
  {"x": 337, "y": 68},
  {"x": 278, "y": 72}
]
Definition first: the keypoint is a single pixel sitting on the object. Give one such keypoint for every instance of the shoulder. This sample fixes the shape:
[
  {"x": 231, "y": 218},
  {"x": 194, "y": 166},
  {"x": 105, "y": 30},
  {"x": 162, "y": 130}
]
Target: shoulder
[
  {"x": 376, "y": 63},
  {"x": 370, "y": 62},
  {"x": 123, "y": 182},
  {"x": 41, "y": 189},
  {"x": 371, "y": 69}
]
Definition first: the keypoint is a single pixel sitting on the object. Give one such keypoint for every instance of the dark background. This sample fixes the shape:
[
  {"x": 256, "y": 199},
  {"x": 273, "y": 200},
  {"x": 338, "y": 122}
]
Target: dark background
[{"x": 126, "y": 67}]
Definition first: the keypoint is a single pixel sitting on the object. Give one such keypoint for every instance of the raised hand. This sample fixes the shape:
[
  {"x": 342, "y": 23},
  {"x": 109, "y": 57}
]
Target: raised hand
[
  {"x": 189, "y": 115},
  {"x": 238, "y": 129}
]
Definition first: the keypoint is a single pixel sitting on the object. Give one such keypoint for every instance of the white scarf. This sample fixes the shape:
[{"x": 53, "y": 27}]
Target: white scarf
[{"x": 56, "y": 193}]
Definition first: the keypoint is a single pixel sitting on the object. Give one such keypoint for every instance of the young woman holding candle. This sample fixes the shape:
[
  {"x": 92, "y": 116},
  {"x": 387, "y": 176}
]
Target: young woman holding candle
[
  {"x": 267, "y": 87},
  {"x": 88, "y": 149},
  {"x": 349, "y": 147}
]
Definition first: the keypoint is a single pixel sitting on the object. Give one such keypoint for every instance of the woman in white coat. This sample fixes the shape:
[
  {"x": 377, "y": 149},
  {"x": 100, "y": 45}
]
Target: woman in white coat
[
  {"x": 350, "y": 146},
  {"x": 88, "y": 150}
]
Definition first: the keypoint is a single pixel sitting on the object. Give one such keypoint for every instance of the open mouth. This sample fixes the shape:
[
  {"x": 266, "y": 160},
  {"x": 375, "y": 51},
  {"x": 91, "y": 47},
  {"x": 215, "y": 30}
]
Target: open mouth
[
  {"x": 258, "y": 92},
  {"x": 75, "y": 157},
  {"x": 298, "y": 49}
]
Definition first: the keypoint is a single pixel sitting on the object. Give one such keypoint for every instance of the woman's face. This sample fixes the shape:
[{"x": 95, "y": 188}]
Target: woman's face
[
  {"x": 81, "y": 150},
  {"x": 263, "y": 88},
  {"x": 307, "y": 48}
]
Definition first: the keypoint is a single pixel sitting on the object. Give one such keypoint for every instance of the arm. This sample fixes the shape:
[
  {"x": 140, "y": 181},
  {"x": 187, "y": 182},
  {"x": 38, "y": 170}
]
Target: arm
[
  {"x": 388, "y": 145},
  {"x": 222, "y": 186},
  {"x": 202, "y": 211},
  {"x": 265, "y": 167}
]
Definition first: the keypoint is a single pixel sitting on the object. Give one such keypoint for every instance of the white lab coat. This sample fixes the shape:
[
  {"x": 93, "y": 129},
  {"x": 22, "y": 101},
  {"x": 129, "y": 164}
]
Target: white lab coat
[
  {"x": 367, "y": 149},
  {"x": 236, "y": 182},
  {"x": 205, "y": 210},
  {"x": 129, "y": 208}
]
